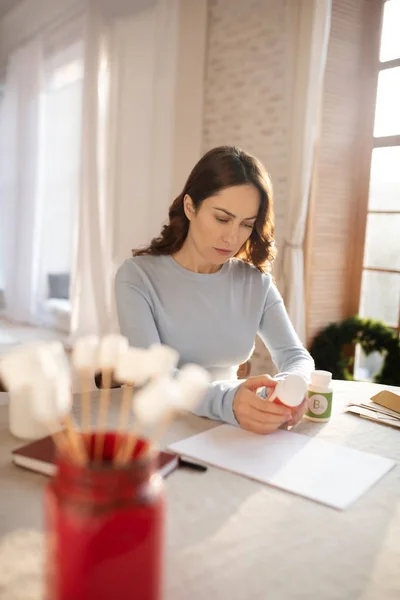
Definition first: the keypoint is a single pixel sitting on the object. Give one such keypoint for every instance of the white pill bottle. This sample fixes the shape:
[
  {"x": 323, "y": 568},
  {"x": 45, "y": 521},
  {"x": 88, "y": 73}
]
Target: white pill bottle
[{"x": 320, "y": 394}]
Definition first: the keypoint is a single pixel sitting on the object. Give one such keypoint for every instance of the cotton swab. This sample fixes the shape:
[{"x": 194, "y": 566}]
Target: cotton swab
[
  {"x": 156, "y": 404},
  {"x": 132, "y": 368},
  {"x": 163, "y": 359},
  {"x": 50, "y": 408},
  {"x": 160, "y": 361},
  {"x": 63, "y": 394},
  {"x": 110, "y": 349},
  {"x": 193, "y": 383},
  {"x": 43, "y": 396},
  {"x": 151, "y": 404},
  {"x": 84, "y": 359},
  {"x": 45, "y": 369}
]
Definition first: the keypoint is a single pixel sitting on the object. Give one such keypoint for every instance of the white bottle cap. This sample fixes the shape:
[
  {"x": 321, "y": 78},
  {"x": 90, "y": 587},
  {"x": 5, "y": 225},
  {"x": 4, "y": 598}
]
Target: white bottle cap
[
  {"x": 290, "y": 391},
  {"x": 321, "y": 378}
]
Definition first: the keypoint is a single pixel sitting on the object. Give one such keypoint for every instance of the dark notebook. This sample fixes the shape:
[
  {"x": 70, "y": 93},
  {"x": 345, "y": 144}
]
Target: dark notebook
[{"x": 39, "y": 456}]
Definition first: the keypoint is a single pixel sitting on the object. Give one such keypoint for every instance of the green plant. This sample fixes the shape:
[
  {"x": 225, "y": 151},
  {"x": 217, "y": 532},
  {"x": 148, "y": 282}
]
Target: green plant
[{"x": 328, "y": 348}]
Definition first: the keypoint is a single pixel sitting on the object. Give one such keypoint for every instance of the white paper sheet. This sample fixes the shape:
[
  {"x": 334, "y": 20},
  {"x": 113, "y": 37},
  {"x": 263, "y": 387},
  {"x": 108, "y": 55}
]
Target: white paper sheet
[{"x": 328, "y": 473}]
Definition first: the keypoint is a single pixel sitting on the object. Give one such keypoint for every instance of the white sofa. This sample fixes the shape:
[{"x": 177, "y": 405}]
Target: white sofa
[{"x": 57, "y": 314}]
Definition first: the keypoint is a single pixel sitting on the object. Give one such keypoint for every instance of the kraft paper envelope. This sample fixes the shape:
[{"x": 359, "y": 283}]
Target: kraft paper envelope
[{"x": 388, "y": 399}]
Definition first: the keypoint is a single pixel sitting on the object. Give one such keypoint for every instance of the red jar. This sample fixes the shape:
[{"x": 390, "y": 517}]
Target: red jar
[{"x": 105, "y": 528}]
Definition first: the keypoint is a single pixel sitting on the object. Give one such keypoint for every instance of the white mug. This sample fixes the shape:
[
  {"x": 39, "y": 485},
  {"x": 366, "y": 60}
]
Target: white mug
[{"x": 22, "y": 421}]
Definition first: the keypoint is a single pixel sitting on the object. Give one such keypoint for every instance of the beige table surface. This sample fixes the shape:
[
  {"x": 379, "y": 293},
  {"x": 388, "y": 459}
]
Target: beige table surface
[{"x": 230, "y": 538}]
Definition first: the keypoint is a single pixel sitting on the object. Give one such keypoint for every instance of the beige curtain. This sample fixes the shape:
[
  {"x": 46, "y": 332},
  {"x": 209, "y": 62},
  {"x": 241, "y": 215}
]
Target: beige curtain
[{"x": 310, "y": 25}]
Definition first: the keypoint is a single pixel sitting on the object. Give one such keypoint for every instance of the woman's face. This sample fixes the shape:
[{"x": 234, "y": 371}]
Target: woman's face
[{"x": 223, "y": 223}]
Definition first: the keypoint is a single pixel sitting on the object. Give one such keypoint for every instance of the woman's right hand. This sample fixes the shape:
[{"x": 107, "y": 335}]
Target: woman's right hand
[{"x": 257, "y": 414}]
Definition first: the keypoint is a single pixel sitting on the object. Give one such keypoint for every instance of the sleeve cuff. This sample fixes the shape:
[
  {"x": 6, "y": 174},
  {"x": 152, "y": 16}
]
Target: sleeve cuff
[{"x": 227, "y": 407}]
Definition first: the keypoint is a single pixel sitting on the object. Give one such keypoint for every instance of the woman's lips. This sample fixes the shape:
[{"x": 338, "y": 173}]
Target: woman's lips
[{"x": 223, "y": 252}]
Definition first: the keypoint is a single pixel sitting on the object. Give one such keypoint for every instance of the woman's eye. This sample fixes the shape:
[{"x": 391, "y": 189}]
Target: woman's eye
[
  {"x": 248, "y": 226},
  {"x": 222, "y": 220}
]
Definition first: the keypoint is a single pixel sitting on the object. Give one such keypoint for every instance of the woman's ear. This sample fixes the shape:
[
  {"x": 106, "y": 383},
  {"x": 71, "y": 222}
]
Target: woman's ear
[{"x": 188, "y": 207}]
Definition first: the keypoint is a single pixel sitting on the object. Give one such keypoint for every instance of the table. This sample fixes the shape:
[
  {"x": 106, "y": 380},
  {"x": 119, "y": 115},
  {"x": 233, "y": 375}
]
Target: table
[{"x": 230, "y": 538}]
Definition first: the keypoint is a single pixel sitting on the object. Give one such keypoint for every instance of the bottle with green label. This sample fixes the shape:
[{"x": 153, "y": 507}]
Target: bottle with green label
[{"x": 319, "y": 397}]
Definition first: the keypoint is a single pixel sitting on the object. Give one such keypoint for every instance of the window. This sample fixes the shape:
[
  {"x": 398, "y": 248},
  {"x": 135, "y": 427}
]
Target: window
[
  {"x": 380, "y": 287},
  {"x": 60, "y": 160}
]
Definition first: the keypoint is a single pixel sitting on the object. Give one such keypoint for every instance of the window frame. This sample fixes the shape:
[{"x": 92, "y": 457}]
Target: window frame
[{"x": 368, "y": 142}]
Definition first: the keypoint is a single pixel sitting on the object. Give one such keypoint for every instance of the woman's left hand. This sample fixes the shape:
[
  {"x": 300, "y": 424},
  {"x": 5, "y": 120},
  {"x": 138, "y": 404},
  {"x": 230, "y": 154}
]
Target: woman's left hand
[{"x": 298, "y": 413}]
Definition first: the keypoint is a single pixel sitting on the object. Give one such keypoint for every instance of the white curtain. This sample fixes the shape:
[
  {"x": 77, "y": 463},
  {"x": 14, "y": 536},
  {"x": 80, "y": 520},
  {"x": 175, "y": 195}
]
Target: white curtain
[
  {"x": 91, "y": 289},
  {"x": 59, "y": 174},
  {"x": 129, "y": 144},
  {"x": 20, "y": 125},
  {"x": 128, "y": 121},
  {"x": 310, "y": 24}
]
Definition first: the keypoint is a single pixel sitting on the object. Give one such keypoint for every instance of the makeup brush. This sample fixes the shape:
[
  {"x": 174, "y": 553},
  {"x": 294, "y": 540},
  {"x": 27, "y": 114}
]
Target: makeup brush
[
  {"x": 163, "y": 360},
  {"x": 57, "y": 362},
  {"x": 132, "y": 368},
  {"x": 193, "y": 382},
  {"x": 110, "y": 349},
  {"x": 84, "y": 360},
  {"x": 161, "y": 400},
  {"x": 151, "y": 404}
]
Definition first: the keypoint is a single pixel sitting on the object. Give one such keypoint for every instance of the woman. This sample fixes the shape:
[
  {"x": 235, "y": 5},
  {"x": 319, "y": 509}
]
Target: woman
[{"x": 202, "y": 287}]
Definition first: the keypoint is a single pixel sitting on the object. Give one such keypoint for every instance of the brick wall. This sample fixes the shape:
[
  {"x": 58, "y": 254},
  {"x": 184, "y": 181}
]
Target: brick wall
[{"x": 247, "y": 84}]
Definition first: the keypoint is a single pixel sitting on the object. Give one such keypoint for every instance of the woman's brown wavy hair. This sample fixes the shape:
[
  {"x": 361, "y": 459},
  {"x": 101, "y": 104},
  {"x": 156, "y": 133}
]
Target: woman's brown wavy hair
[{"x": 220, "y": 168}]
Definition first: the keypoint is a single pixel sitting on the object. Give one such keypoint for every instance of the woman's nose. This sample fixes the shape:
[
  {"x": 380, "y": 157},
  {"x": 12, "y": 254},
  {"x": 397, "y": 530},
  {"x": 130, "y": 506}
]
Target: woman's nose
[{"x": 231, "y": 235}]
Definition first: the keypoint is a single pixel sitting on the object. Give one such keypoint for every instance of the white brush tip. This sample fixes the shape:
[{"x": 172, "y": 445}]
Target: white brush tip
[
  {"x": 194, "y": 382},
  {"x": 84, "y": 353},
  {"x": 163, "y": 359},
  {"x": 156, "y": 401},
  {"x": 133, "y": 366},
  {"x": 110, "y": 348}
]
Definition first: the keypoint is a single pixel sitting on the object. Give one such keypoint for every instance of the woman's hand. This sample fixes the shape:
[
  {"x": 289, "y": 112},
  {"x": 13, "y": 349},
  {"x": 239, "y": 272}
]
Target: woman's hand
[
  {"x": 298, "y": 412},
  {"x": 256, "y": 414}
]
